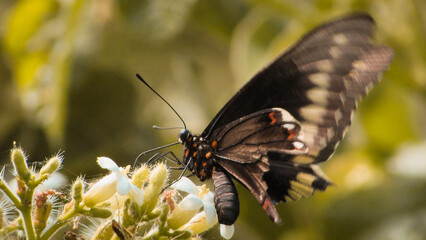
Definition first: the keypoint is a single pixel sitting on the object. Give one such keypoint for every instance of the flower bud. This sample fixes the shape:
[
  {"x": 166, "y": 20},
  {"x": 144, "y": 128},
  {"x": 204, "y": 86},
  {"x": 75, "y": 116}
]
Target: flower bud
[
  {"x": 77, "y": 191},
  {"x": 20, "y": 164},
  {"x": 157, "y": 179},
  {"x": 41, "y": 214},
  {"x": 140, "y": 176},
  {"x": 100, "y": 212},
  {"x": 22, "y": 190},
  {"x": 51, "y": 166}
]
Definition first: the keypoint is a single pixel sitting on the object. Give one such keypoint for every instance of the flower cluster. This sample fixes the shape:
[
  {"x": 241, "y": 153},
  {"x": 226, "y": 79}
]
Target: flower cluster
[{"x": 136, "y": 207}]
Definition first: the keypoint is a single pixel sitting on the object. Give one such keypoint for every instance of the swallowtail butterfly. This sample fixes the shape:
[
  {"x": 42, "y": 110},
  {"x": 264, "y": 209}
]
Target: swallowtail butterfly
[{"x": 289, "y": 117}]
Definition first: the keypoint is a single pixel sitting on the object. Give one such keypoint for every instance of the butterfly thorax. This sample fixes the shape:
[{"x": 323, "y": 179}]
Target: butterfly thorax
[{"x": 198, "y": 152}]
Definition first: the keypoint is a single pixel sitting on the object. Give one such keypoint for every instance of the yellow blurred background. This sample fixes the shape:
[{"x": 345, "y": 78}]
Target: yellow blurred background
[{"x": 67, "y": 83}]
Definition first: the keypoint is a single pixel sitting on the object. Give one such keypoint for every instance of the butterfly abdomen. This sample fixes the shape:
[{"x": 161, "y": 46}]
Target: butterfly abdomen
[{"x": 225, "y": 197}]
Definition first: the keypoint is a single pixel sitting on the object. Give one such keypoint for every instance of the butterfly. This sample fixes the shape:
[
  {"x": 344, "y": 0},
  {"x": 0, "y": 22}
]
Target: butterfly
[{"x": 288, "y": 118}]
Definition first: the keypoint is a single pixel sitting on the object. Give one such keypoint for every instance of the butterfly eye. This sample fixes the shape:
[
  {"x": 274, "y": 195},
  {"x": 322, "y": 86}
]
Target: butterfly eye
[{"x": 183, "y": 135}]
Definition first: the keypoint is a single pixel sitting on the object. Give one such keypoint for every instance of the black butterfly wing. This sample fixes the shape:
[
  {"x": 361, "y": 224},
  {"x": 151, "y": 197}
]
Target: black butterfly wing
[
  {"x": 257, "y": 150},
  {"x": 318, "y": 81},
  {"x": 248, "y": 139}
]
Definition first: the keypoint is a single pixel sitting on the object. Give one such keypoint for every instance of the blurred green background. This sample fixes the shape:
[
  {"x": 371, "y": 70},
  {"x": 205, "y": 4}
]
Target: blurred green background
[{"x": 67, "y": 82}]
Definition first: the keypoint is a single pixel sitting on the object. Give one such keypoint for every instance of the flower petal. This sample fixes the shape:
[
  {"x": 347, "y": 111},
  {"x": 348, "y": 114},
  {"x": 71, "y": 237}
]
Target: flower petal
[
  {"x": 209, "y": 197},
  {"x": 101, "y": 191},
  {"x": 136, "y": 194},
  {"x": 108, "y": 163},
  {"x": 227, "y": 231},
  {"x": 210, "y": 211},
  {"x": 198, "y": 224},
  {"x": 191, "y": 202},
  {"x": 186, "y": 185},
  {"x": 123, "y": 185}
]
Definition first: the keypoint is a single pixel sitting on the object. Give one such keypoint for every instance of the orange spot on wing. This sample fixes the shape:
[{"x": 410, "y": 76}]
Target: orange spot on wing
[
  {"x": 266, "y": 204},
  {"x": 204, "y": 164},
  {"x": 214, "y": 144},
  {"x": 186, "y": 152},
  {"x": 202, "y": 173},
  {"x": 194, "y": 154},
  {"x": 273, "y": 119},
  {"x": 290, "y": 135},
  {"x": 194, "y": 145},
  {"x": 208, "y": 155}
]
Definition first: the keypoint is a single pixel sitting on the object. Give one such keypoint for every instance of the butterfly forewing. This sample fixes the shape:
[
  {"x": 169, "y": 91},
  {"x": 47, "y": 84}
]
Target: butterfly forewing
[{"x": 317, "y": 81}]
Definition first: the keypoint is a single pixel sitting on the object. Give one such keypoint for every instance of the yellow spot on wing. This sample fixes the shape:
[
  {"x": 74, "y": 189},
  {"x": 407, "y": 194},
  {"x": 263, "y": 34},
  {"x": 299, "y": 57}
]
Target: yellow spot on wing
[{"x": 303, "y": 189}]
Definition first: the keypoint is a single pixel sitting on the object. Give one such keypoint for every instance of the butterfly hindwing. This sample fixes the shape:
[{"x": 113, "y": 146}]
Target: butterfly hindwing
[
  {"x": 249, "y": 138},
  {"x": 244, "y": 147}
]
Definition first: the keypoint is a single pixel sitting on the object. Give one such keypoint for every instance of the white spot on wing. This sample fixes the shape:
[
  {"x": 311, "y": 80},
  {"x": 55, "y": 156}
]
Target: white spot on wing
[
  {"x": 342, "y": 98},
  {"x": 347, "y": 80},
  {"x": 298, "y": 145},
  {"x": 289, "y": 126},
  {"x": 286, "y": 116},
  {"x": 313, "y": 113},
  {"x": 320, "y": 79},
  {"x": 318, "y": 95},
  {"x": 335, "y": 52},
  {"x": 360, "y": 66},
  {"x": 330, "y": 133},
  {"x": 338, "y": 115},
  {"x": 310, "y": 128},
  {"x": 340, "y": 38},
  {"x": 324, "y": 65}
]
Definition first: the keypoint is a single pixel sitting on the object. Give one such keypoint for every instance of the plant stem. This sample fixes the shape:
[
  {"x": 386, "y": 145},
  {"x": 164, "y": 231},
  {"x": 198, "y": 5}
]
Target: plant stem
[
  {"x": 63, "y": 219},
  {"x": 25, "y": 209},
  {"x": 9, "y": 193},
  {"x": 52, "y": 229}
]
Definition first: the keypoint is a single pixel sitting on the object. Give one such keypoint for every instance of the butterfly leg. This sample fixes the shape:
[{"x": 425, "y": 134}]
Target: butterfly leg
[
  {"x": 180, "y": 176},
  {"x": 174, "y": 158}
]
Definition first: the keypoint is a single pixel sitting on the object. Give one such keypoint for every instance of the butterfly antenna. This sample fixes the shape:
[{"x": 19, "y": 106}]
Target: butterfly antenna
[
  {"x": 165, "y": 128},
  {"x": 144, "y": 82}
]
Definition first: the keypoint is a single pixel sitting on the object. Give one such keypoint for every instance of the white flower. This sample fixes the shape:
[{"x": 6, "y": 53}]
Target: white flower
[
  {"x": 116, "y": 182},
  {"x": 197, "y": 197},
  {"x": 203, "y": 220},
  {"x": 186, "y": 210}
]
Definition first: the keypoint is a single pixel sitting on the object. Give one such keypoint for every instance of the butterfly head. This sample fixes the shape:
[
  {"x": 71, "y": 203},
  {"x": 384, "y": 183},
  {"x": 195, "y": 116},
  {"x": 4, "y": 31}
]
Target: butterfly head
[{"x": 184, "y": 136}]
